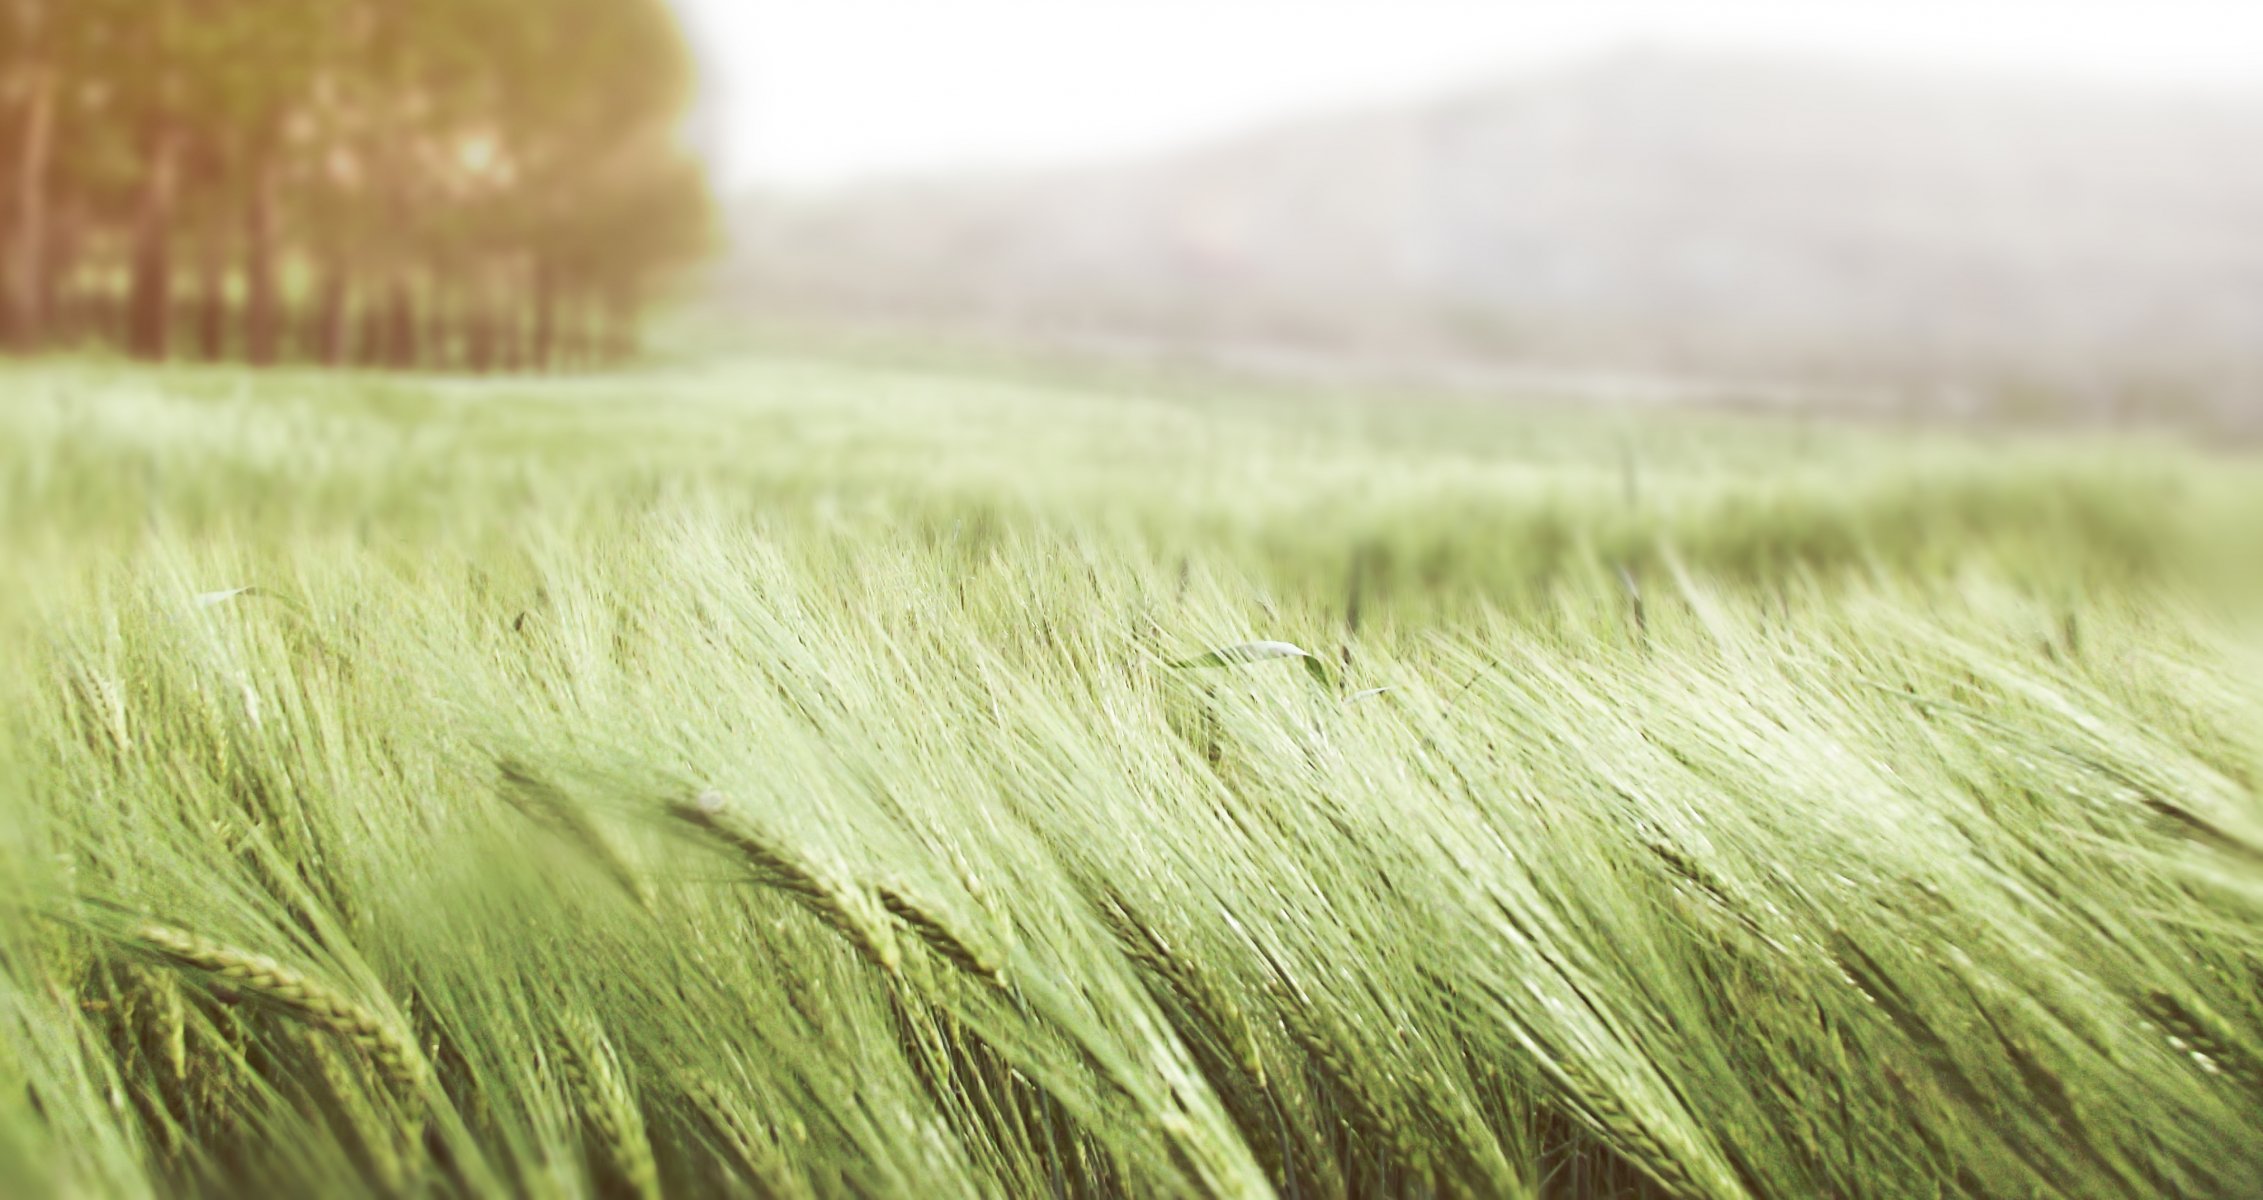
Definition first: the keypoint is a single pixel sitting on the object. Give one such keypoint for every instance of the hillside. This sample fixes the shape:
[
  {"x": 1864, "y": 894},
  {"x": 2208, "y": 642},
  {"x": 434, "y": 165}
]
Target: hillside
[{"x": 1652, "y": 210}]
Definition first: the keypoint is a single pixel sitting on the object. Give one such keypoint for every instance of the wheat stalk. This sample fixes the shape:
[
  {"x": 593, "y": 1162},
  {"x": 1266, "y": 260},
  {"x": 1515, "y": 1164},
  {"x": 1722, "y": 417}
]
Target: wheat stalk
[
  {"x": 1625, "y": 1132},
  {"x": 939, "y": 937},
  {"x": 1192, "y": 987},
  {"x": 609, "y": 1105},
  {"x": 388, "y": 1143},
  {"x": 541, "y": 802},
  {"x": 2207, "y": 1039},
  {"x": 388, "y": 1047},
  {"x": 750, "y": 1142},
  {"x": 833, "y": 903}
]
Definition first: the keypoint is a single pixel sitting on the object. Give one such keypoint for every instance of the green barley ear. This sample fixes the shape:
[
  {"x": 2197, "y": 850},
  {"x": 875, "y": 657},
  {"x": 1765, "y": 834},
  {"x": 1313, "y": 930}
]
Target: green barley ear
[
  {"x": 391, "y": 1145},
  {"x": 971, "y": 958},
  {"x": 605, "y": 1099},
  {"x": 1623, "y": 1131},
  {"x": 541, "y": 802},
  {"x": 848, "y": 909},
  {"x": 749, "y": 1141},
  {"x": 389, "y": 1048}
]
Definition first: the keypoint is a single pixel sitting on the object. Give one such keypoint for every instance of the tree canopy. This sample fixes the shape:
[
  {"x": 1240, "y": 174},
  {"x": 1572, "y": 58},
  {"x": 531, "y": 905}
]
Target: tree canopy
[{"x": 465, "y": 183}]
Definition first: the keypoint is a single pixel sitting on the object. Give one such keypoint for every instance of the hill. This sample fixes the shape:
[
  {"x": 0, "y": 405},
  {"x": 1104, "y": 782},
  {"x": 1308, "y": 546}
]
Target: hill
[{"x": 1654, "y": 210}]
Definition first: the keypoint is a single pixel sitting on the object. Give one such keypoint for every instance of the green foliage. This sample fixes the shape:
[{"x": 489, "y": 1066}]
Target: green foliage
[
  {"x": 528, "y": 154},
  {"x": 778, "y": 778}
]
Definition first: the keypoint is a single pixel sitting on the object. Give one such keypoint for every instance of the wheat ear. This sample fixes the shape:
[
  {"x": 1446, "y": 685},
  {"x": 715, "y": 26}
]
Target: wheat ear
[{"x": 392, "y": 1051}]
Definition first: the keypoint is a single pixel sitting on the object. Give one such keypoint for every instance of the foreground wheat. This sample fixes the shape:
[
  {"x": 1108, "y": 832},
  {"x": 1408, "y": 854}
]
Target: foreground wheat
[{"x": 390, "y": 1049}]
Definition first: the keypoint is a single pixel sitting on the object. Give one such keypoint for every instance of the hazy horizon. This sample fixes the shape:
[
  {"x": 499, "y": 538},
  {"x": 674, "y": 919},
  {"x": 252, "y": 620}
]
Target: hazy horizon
[{"x": 802, "y": 97}]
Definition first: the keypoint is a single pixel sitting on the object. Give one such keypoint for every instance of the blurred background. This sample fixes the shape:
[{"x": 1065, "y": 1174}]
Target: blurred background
[
  {"x": 479, "y": 184},
  {"x": 1994, "y": 207}
]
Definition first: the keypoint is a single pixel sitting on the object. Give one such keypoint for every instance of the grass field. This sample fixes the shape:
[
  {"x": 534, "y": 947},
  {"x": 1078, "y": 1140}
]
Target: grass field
[{"x": 805, "y": 779}]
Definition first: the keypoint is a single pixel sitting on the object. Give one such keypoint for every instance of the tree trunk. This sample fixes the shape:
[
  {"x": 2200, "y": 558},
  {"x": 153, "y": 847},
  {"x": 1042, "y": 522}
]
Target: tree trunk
[
  {"x": 542, "y": 351},
  {"x": 262, "y": 329},
  {"x": 400, "y": 325},
  {"x": 149, "y": 301},
  {"x": 328, "y": 337},
  {"x": 212, "y": 300},
  {"x": 479, "y": 333},
  {"x": 508, "y": 326},
  {"x": 581, "y": 337},
  {"x": 370, "y": 345},
  {"x": 437, "y": 344},
  {"x": 105, "y": 308},
  {"x": 26, "y": 284},
  {"x": 327, "y": 331},
  {"x": 57, "y": 268}
]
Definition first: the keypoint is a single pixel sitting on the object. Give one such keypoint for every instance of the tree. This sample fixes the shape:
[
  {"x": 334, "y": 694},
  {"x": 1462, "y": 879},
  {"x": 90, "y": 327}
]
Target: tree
[
  {"x": 56, "y": 66},
  {"x": 33, "y": 82},
  {"x": 467, "y": 175}
]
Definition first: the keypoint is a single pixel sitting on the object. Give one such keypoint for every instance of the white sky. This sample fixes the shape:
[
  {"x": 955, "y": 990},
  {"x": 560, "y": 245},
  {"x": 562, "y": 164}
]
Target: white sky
[{"x": 812, "y": 92}]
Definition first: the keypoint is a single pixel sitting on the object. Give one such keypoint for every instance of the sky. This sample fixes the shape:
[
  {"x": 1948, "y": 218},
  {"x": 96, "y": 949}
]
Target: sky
[{"x": 813, "y": 93}]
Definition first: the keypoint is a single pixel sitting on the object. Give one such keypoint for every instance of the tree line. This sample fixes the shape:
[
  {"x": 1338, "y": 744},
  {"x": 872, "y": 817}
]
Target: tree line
[{"x": 463, "y": 184}]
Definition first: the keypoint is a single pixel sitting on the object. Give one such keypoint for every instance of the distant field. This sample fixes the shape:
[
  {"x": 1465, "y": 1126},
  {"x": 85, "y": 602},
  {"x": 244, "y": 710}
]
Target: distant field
[{"x": 796, "y": 778}]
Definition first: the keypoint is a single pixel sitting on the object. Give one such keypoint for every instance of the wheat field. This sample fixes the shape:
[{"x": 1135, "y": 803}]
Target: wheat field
[{"x": 785, "y": 777}]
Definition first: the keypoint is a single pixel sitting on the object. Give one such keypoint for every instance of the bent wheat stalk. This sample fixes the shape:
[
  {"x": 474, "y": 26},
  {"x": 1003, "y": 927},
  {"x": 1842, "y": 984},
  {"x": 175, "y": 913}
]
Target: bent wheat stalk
[
  {"x": 389, "y": 1048},
  {"x": 973, "y": 959},
  {"x": 608, "y": 1103},
  {"x": 838, "y": 905}
]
